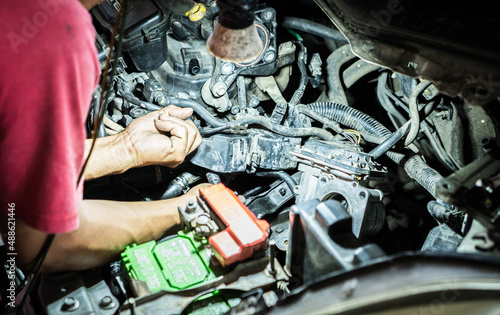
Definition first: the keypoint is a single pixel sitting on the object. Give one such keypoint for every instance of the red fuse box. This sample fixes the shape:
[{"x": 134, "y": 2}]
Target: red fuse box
[{"x": 244, "y": 233}]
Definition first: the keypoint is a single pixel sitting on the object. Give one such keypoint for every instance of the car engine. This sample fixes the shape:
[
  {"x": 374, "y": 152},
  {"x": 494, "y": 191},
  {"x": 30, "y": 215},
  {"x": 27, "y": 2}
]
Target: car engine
[{"x": 335, "y": 179}]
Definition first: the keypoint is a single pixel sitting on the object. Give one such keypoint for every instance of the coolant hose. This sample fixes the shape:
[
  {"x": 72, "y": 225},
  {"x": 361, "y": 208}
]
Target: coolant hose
[
  {"x": 314, "y": 28},
  {"x": 198, "y": 108},
  {"x": 334, "y": 62},
  {"x": 363, "y": 123},
  {"x": 288, "y": 179},
  {"x": 356, "y": 71}
]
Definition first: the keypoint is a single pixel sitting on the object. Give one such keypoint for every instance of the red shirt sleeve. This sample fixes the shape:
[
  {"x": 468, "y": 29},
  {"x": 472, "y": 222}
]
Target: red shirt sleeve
[{"x": 48, "y": 72}]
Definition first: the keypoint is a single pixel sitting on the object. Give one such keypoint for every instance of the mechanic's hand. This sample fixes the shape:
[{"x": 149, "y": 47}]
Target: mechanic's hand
[{"x": 163, "y": 137}]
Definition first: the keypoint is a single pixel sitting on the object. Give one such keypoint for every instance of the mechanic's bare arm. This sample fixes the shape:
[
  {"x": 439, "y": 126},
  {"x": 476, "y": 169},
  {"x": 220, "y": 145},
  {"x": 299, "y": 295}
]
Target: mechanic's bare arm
[
  {"x": 106, "y": 228},
  {"x": 163, "y": 137}
]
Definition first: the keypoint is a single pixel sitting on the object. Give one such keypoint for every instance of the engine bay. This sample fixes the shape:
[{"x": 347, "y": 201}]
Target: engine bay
[{"x": 325, "y": 168}]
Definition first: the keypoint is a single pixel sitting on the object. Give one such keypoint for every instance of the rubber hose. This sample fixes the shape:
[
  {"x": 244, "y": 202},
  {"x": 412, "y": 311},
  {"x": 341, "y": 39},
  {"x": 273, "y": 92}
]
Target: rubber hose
[
  {"x": 314, "y": 28},
  {"x": 101, "y": 132},
  {"x": 333, "y": 63},
  {"x": 358, "y": 70},
  {"x": 289, "y": 181},
  {"x": 129, "y": 97},
  {"x": 322, "y": 119},
  {"x": 385, "y": 146},
  {"x": 198, "y": 108},
  {"x": 394, "y": 114},
  {"x": 399, "y": 134},
  {"x": 279, "y": 129},
  {"x": 173, "y": 190},
  {"x": 414, "y": 116}
]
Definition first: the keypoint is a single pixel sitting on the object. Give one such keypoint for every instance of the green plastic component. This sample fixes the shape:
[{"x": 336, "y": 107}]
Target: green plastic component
[
  {"x": 214, "y": 303},
  {"x": 172, "y": 265}
]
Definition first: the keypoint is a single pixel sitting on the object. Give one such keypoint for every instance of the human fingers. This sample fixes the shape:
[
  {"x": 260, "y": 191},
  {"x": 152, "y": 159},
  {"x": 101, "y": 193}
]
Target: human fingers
[
  {"x": 175, "y": 111},
  {"x": 183, "y": 132}
]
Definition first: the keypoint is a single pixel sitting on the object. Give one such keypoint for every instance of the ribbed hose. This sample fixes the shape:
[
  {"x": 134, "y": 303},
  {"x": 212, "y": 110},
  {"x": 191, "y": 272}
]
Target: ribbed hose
[
  {"x": 350, "y": 117},
  {"x": 355, "y": 119}
]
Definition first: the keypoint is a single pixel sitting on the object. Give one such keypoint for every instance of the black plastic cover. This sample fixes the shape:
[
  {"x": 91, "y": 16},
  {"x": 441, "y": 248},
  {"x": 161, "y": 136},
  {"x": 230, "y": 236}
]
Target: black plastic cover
[{"x": 144, "y": 34}]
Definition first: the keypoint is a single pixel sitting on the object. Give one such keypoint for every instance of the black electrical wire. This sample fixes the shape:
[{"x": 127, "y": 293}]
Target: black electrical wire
[
  {"x": 314, "y": 28},
  {"x": 198, "y": 108},
  {"x": 395, "y": 116},
  {"x": 102, "y": 130},
  {"x": 124, "y": 92},
  {"x": 304, "y": 78},
  {"x": 385, "y": 146},
  {"x": 270, "y": 125},
  {"x": 289, "y": 181}
]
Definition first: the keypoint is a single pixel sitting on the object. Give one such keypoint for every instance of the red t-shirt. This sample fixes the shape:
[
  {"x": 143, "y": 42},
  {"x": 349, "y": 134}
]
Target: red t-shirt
[{"x": 48, "y": 71}]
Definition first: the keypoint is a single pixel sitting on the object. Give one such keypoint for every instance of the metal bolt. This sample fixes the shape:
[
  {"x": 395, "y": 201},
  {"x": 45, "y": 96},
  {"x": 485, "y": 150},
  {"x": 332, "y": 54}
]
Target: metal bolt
[
  {"x": 107, "y": 302},
  {"x": 70, "y": 304},
  {"x": 269, "y": 56},
  {"x": 282, "y": 191},
  {"x": 235, "y": 110},
  {"x": 268, "y": 15},
  {"x": 254, "y": 101},
  {"x": 279, "y": 229},
  {"x": 191, "y": 206},
  {"x": 227, "y": 68},
  {"x": 220, "y": 89}
]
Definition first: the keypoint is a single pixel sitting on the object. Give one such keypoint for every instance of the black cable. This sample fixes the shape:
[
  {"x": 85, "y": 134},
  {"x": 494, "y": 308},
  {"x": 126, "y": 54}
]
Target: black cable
[
  {"x": 314, "y": 28},
  {"x": 385, "y": 146},
  {"x": 270, "y": 125},
  {"x": 129, "y": 97},
  {"x": 304, "y": 78},
  {"x": 198, "y": 108},
  {"x": 288, "y": 179}
]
